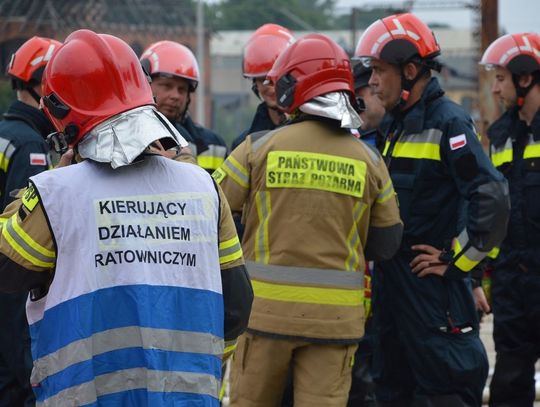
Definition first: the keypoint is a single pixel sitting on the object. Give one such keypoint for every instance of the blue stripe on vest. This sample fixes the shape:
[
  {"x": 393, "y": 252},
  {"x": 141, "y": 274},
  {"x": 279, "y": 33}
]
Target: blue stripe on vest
[
  {"x": 175, "y": 308},
  {"x": 143, "y": 398},
  {"x": 126, "y": 359}
]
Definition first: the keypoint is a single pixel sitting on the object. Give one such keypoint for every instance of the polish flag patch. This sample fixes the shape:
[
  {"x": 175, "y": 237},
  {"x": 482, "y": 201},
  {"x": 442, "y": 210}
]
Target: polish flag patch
[
  {"x": 38, "y": 159},
  {"x": 458, "y": 141}
]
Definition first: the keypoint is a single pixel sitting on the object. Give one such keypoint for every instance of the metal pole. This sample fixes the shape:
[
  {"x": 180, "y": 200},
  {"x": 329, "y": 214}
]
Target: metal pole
[
  {"x": 489, "y": 31},
  {"x": 201, "y": 94}
]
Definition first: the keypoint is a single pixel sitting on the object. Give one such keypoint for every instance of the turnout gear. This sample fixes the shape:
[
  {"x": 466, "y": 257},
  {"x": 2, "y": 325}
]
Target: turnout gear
[
  {"x": 263, "y": 48},
  {"x": 92, "y": 78},
  {"x": 427, "y": 342},
  {"x": 312, "y": 66},
  {"x": 171, "y": 58}
]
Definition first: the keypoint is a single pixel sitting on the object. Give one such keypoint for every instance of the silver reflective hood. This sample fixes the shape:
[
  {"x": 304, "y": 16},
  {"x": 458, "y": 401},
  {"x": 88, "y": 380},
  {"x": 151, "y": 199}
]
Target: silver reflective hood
[
  {"x": 122, "y": 138},
  {"x": 334, "y": 105}
]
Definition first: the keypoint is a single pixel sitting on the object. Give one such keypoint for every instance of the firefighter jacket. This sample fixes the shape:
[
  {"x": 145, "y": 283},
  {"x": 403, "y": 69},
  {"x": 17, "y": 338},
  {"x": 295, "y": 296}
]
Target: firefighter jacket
[
  {"x": 515, "y": 151},
  {"x": 261, "y": 121},
  {"x": 138, "y": 310},
  {"x": 209, "y": 148},
  {"x": 438, "y": 168},
  {"x": 23, "y": 150},
  {"x": 316, "y": 202}
]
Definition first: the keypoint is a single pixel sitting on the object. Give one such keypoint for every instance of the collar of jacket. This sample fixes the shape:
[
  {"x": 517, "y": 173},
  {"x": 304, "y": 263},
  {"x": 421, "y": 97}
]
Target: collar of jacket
[
  {"x": 29, "y": 114},
  {"x": 502, "y": 128},
  {"x": 413, "y": 118},
  {"x": 535, "y": 126},
  {"x": 261, "y": 120}
]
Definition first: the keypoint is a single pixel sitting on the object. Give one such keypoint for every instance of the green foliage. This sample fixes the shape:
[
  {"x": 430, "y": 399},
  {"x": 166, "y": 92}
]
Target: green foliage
[{"x": 251, "y": 14}]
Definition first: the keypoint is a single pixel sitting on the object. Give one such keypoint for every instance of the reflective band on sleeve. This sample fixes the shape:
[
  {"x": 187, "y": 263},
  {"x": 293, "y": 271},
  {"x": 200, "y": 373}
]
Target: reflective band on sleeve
[
  {"x": 5, "y": 155},
  {"x": 230, "y": 250},
  {"x": 425, "y": 145},
  {"x": 25, "y": 246},
  {"x": 503, "y": 155},
  {"x": 236, "y": 171},
  {"x": 262, "y": 245},
  {"x": 133, "y": 379},
  {"x": 305, "y": 276},
  {"x": 494, "y": 253},
  {"x": 309, "y": 295},
  {"x": 532, "y": 150},
  {"x": 386, "y": 193},
  {"x": 298, "y": 169},
  {"x": 468, "y": 259},
  {"x": 123, "y": 338},
  {"x": 213, "y": 157},
  {"x": 386, "y": 147},
  {"x": 230, "y": 347},
  {"x": 353, "y": 238}
]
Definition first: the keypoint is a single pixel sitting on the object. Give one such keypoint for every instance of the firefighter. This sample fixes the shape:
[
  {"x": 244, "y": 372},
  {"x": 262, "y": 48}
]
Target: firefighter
[
  {"x": 128, "y": 305},
  {"x": 515, "y": 284},
  {"x": 175, "y": 76},
  {"x": 428, "y": 351},
  {"x": 24, "y": 152},
  {"x": 259, "y": 54},
  {"x": 318, "y": 203}
]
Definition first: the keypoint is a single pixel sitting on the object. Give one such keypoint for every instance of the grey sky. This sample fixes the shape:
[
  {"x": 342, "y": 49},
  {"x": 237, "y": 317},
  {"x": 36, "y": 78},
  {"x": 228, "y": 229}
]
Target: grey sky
[{"x": 514, "y": 15}]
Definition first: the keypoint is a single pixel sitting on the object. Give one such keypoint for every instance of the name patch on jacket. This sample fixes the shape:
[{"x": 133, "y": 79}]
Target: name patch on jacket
[
  {"x": 152, "y": 229},
  {"x": 294, "y": 169}
]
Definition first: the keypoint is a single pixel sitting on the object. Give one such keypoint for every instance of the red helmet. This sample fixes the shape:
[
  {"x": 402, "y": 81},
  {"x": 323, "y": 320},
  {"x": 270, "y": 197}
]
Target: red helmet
[
  {"x": 91, "y": 78},
  {"x": 263, "y": 48},
  {"x": 519, "y": 53},
  {"x": 170, "y": 58},
  {"x": 397, "y": 39},
  {"x": 312, "y": 66},
  {"x": 28, "y": 62}
]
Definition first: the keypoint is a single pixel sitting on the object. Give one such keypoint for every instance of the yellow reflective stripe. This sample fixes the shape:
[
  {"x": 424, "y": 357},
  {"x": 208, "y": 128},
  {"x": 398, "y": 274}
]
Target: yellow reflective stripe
[
  {"x": 494, "y": 253},
  {"x": 3, "y": 220},
  {"x": 18, "y": 242},
  {"x": 386, "y": 147},
  {"x": 236, "y": 171},
  {"x": 465, "y": 260},
  {"x": 230, "y": 250},
  {"x": 209, "y": 162},
  {"x": 499, "y": 158},
  {"x": 230, "y": 347},
  {"x": 353, "y": 239},
  {"x": 262, "y": 246},
  {"x": 532, "y": 151},
  {"x": 4, "y": 162},
  {"x": 386, "y": 193},
  {"x": 307, "y": 295},
  {"x": 427, "y": 151},
  {"x": 31, "y": 242}
]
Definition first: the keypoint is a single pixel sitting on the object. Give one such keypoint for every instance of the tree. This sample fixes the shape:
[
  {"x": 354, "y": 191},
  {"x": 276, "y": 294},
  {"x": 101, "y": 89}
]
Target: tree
[{"x": 251, "y": 14}]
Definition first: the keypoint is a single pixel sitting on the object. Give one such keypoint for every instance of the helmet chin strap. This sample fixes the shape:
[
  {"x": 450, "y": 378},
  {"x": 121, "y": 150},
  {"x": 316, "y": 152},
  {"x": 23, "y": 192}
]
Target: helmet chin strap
[
  {"x": 406, "y": 88},
  {"x": 522, "y": 91}
]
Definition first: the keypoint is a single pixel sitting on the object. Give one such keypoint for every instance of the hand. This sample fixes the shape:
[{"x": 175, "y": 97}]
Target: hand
[
  {"x": 480, "y": 300},
  {"x": 66, "y": 159},
  {"x": 428, "y": 262}
]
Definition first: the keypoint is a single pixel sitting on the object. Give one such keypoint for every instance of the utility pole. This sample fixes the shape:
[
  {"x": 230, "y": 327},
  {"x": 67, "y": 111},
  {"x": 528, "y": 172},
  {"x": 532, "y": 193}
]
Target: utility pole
[
  {"x": 201, "y": 95},
  {"x": 489, "y": 32},
  {"x": 354, "y": 15}
]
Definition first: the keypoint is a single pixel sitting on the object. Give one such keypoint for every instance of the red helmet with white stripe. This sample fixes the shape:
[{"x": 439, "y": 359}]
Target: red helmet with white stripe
[
  {"x": 169, "y": 58},
  {"x": 519, "y": 53},
  {"x": 28, "y": 62},
  {"x": 397, "y": 39}
]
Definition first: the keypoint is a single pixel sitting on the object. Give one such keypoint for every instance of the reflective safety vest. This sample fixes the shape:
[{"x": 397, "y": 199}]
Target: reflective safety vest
[{"x": 134, "y": 315}]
